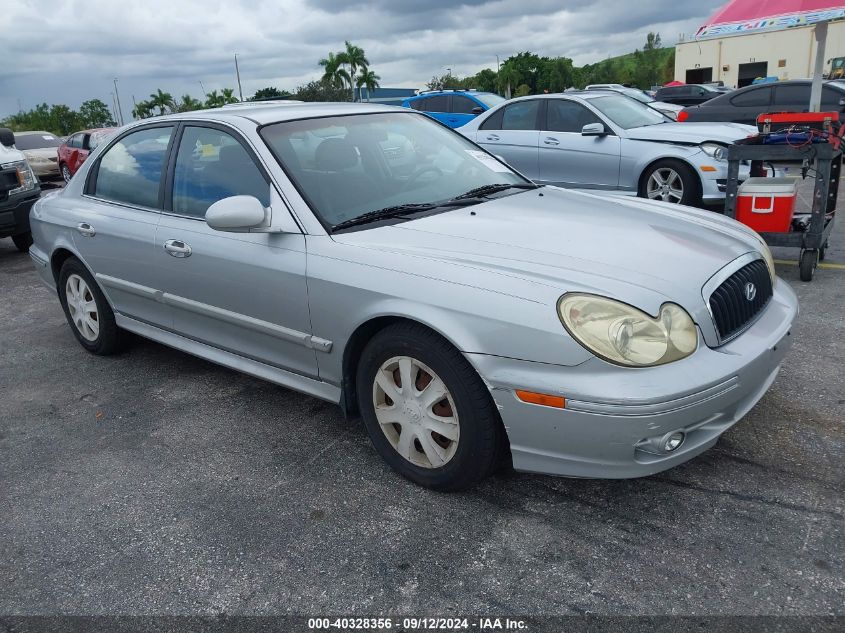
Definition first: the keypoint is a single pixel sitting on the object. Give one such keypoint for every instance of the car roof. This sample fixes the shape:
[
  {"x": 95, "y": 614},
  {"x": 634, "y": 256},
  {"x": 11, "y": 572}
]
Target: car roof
[
  {"x": 264, "y": 114},
  {"x": 434, "y": 93}
]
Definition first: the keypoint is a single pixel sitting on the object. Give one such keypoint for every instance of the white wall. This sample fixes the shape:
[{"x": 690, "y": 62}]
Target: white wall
[{"x": 797, "y": 46}]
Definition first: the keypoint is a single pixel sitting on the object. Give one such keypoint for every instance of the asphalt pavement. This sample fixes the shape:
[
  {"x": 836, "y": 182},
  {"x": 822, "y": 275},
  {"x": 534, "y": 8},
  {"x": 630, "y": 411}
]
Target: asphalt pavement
[{"x": 156, "y": 483}]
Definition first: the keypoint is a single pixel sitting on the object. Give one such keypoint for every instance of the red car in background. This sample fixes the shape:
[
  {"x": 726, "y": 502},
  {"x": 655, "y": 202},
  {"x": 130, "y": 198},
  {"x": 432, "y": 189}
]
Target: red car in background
[{"x": 74, "y": 151}]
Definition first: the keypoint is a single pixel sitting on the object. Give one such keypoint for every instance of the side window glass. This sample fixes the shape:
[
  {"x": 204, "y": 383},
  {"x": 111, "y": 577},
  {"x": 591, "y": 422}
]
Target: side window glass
[
  {"x": 521, "y": 115},
  {"x": 831, "y": 98},
  {"x": 75, "y": 141},
  {"x": 462, "y": 105},
  {"x": 792, "y": 94},
  {"x": 418, "y": 104},
  {"x": 131, "y": 170},
  {"x": 568, "y": 116},
  {"x": 440, "y": 103},
  {"x": 212, "y": 165},
  {"x": 494, "y": 121},
  {"x": 757, "y": 97}
]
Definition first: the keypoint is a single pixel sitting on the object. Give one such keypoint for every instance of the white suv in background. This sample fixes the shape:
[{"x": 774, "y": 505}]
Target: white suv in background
[{"x": 18, "y": 191}]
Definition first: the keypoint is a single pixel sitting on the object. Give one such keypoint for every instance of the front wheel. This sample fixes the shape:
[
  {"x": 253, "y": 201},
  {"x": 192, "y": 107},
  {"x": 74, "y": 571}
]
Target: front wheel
[
  {"x": 22, "y": 241},
  {"x": 426, "y": 410},
  {"x": 671, "y": 181},
  {"x": 66, "y": 173}
]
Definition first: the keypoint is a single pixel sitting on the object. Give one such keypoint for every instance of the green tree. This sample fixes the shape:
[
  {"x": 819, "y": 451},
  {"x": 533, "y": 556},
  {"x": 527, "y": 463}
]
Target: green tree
[
  {"x": 367, "y": 79},
  {"x": 163, "y": 101},
  {"x": 356, "y": 60},
  {"x": 94, "y": 113},
  {"x": 228, "y": 95},
  {"x": 143, "y": 110},
  {"x": 188, "y": 104},
  {"x": 214, "y": 100},
  {"x": 321, "y": 90},
  {"x": 523, "y": 91},
  {"x": 268, "y": 93},
  {"x": 333, "y": 72}
]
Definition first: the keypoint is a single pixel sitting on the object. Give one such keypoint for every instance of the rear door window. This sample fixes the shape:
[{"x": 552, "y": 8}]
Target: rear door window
[
  {"x": 755, "y": 97},
  {"x": 131, "y": 170},
  {"x": 418, "y": 104},
  {"x": 439, "y": 103},
  {"x": 568, "y": 116},
  {"x": 463, "y": 105},
  {"x": 791, "y": 94},
  {"x": 521, "y": 115}
]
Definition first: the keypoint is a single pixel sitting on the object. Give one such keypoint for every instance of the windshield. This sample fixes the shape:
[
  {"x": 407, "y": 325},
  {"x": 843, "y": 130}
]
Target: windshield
[
  {"x": 346, "y": 166},
  {"x": 627, "y": 113},
  {"x": 490, "y": 100},
  {"x": 639, "y": 95},
  {"x": 36, "y": 141}
]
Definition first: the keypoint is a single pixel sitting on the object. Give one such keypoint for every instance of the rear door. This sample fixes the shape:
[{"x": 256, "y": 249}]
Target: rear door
[
  {"x": 116, "y": 220},
  {"x": 437, "y": 107},
  {"x": 241, "y": 292},
  {"x": 569, "y": 159},
  {"x": 513, "y": 132},
  {"x": 462, "y": 110}
]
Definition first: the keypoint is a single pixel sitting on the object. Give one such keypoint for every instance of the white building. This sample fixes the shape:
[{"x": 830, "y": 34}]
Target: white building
[{"x": 737, "y": 60}]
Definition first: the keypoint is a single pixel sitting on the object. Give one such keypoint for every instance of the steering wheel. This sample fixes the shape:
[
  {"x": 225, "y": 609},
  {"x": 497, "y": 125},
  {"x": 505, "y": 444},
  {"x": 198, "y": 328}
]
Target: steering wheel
[{"x": 419, "y": 171}]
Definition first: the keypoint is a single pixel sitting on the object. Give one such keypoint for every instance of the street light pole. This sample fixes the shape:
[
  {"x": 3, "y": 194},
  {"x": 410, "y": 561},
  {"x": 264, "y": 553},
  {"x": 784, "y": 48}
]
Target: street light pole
[
  {"x": 238, "y": 74},
  {"x": 117, "y": 98}
]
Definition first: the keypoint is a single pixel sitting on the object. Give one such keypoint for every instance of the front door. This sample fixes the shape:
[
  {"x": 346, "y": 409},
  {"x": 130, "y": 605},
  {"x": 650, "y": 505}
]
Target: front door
[
  {"x": 512, "y": 132},
  {"x": 114, "y": 226},
  {"x": 242, "y": 292},
  {"x": 569, "y": 159}
]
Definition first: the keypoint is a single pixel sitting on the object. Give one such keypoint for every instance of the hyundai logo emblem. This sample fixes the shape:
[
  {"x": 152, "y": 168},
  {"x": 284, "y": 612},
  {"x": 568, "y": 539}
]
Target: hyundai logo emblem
[{"x": 750, "y": 291}]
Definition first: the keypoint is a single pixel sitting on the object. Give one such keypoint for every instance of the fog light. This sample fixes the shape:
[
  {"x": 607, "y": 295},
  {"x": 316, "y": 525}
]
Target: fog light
[{"x": 672, "y": 441}]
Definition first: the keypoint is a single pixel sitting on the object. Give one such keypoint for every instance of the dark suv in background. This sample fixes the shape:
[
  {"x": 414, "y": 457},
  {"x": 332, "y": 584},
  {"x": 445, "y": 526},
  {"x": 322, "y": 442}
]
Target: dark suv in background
[
  {"x": 745, "y": 104},
  {"x": 687, "y": 95}
]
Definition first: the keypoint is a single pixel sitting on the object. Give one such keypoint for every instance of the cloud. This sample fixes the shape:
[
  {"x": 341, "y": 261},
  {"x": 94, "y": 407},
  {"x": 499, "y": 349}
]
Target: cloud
[{"x": 67, "y": 51}]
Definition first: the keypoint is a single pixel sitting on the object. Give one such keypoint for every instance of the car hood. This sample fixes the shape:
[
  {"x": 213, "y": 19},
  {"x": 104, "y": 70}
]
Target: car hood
[
  {"x": 641, "y": 252},
  {"x": 691, "y": 133}
]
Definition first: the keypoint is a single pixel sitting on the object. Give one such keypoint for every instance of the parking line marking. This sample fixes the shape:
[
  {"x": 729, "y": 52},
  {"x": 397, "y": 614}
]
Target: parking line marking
[{"x": 790, "y": 262}]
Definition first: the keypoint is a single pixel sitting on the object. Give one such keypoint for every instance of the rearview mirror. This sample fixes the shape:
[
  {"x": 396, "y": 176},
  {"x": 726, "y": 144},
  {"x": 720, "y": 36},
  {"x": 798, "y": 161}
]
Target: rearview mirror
[
  {"x": 593, "y": 129},
  {"x": 238, "y": 214},
  {"x": 477, "y": 110},
  {"x": 7, "y": 137}
]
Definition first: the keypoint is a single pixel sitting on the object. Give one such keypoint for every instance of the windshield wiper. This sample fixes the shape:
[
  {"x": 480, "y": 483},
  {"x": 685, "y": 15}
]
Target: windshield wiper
[
  {"x": 486, "y": 190},
  {"x": 382, "y": 214}
]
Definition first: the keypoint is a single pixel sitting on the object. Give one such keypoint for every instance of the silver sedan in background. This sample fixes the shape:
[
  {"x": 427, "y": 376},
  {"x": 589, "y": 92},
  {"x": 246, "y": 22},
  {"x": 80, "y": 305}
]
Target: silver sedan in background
[
  {"x": 374, "y": 258},
  {"x": 598, "y": 139},
  {"x": 40, "y": 149}
]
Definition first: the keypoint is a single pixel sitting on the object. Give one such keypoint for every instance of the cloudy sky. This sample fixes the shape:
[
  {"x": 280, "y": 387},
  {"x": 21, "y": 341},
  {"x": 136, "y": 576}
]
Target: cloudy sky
[{"x": 67, "y": 51}]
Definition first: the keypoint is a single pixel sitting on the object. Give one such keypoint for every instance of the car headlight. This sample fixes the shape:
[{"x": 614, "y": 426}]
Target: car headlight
[
  {"x": 715, "y": 151},
  {"x": 624, "y": 335},
  {"x": 26, "y": 177}
]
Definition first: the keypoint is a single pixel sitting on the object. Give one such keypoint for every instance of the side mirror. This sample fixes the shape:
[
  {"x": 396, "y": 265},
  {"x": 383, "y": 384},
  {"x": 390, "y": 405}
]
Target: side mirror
[
  {"x": 7, "y": 137},
  {"x": 593, "y": 129},
  {"x": 477, "y": 110},
  {"x": 238, "y": 214}
]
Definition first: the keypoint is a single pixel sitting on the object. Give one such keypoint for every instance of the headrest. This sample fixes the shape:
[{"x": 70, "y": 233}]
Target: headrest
[{"x": 335, "y": 154}]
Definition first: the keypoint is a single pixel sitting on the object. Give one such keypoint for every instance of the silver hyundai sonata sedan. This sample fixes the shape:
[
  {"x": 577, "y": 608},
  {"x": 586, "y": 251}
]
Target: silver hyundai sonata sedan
[{"x": 372, "y": 257}]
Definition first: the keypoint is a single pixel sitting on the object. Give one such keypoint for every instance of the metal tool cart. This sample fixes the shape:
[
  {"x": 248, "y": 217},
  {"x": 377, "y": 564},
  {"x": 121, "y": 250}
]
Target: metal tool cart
[{"x": 828, "y": 165}]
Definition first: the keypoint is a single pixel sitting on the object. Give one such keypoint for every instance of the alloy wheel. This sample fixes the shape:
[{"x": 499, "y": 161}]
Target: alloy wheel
[
  {"x": 66, "y": 173},
  {"x": 665, "y": 184},
  {"x": 82, "y": 307},
  {"x": 416, "y": 412}
]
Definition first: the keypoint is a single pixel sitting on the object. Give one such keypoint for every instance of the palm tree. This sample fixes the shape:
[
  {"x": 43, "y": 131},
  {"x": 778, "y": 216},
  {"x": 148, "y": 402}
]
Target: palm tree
[
  {"x": 188, "y": 103},
  {"x": 333, "y": 72},
  {"x": 367, "y": 79},
  {"x": 162, "y": 100},
  {"x": 214, "y": 100},
  {"x": 142, "y": 110},
  {"x": 355, "y": 58},
  {"x": 228, "y": 95}
]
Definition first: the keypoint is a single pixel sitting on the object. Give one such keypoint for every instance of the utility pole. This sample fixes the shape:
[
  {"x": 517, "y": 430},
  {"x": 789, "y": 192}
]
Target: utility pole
[
  {"x": 238, "y": 74},
  {"x": 117, "y": 99},
  {"x": 114, "y": 108}
]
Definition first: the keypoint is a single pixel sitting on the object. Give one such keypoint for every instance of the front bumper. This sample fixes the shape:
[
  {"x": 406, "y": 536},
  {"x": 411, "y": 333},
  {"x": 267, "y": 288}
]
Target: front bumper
[
  {"x": 14, "y": 212},
  {"x": 614, "y": 416}
]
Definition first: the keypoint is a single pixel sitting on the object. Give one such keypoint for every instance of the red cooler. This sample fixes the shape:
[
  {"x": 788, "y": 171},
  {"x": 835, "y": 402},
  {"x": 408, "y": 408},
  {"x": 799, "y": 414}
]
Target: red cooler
[{"x": 767, "y": 204}]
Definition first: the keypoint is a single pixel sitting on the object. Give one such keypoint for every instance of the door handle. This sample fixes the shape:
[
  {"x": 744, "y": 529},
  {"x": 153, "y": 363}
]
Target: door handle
[
  {"x": 550, "y": 140},
  {"x": 177, "y": 248},
  {"x": 86, "y": 229},
  {"x": 492, "y": 137}
]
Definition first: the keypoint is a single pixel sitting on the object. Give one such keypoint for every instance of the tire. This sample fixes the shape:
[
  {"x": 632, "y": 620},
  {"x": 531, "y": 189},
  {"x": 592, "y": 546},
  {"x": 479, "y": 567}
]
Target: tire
[
  {"x": 23, "y": 241},
  {"x": 66, "y": 175},
  {"x": 807, "y": 264},
  {"x": 474, "y": 446},
  {"x": 103, "y": 337},
  {"x": 673, "y": 172}
]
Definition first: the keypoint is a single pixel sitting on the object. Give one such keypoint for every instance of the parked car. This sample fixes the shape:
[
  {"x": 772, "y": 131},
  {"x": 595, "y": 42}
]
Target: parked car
[
  {"x": 18, "y": 191},
  {"x": 73, "y": 152},
  {"x": 40, "y": 151},
  {"x": 453, "y": 107},
  {"x": 469, "y": 315},
  {"x": 596, "y": 139},
  {"x": 746, "y": 104},
  {"x": 671, "y": 110},
  {"x": 687, "y": 94}
]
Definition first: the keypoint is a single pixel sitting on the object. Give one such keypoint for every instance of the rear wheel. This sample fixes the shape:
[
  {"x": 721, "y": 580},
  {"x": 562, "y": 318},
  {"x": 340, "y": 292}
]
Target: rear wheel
[
  {"x": 671, "y": 181},
  {"x": 87, "y": 311},
  {"x": 22, "y": 241},
  {"x": 426, "y": 410}
]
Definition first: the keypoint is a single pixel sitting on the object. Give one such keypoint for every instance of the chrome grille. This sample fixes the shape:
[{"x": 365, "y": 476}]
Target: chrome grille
[{"x": 730, "y": 305}]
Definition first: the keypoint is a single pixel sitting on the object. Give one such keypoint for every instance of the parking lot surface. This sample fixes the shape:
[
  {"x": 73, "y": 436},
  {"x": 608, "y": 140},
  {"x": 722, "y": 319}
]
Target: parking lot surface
[{"x": 153, "y": 482}]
